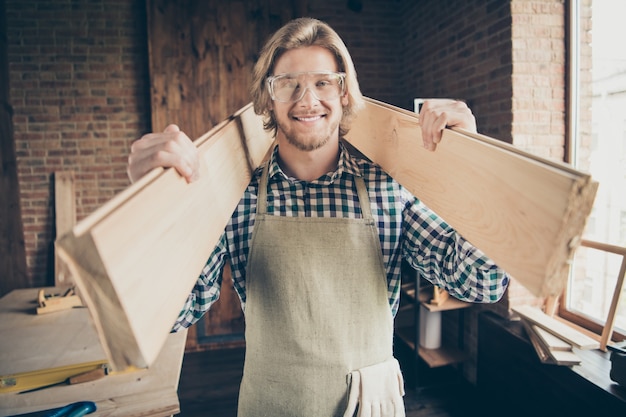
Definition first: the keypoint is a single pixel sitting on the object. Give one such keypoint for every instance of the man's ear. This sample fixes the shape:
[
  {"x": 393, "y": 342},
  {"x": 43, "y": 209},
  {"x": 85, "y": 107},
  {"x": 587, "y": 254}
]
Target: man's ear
[{"x": 344, "y": 100}]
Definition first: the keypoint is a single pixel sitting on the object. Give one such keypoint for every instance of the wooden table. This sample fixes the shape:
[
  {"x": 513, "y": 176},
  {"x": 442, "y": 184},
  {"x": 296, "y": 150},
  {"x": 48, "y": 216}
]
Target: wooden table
[{"x": 32, "y": 342}]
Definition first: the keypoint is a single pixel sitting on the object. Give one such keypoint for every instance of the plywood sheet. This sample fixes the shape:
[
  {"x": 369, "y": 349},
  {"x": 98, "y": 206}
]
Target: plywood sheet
[
  {"x": 136, "y": 259},
  {"x": 526, "y": 213}
]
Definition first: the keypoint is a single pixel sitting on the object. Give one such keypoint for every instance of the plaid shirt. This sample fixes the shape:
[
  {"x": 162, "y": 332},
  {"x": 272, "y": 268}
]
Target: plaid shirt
[{"x": 407, "y": 229}]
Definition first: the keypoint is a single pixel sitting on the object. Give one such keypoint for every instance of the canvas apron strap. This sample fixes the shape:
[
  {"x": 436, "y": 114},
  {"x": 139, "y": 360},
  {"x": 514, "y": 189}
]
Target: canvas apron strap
[{"x": 316, "y": 309}]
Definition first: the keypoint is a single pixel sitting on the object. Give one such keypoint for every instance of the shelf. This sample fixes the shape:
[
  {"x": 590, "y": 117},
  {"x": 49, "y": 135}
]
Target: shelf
[
  {"x": 451, "y": 303},
  {"x": 408, "y": 290},
  {"x": 442, "y": 356},
  {"x": 414, "y": 295},
  {"x": 434, "y": 358}
]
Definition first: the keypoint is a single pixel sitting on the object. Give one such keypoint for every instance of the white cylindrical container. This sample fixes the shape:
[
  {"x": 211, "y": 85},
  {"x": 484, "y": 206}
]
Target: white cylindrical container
[{"x": 430, "y": 328}]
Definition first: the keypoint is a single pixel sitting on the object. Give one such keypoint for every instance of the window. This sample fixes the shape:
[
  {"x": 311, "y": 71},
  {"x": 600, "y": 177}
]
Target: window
[{"x": 597, "y": 144}]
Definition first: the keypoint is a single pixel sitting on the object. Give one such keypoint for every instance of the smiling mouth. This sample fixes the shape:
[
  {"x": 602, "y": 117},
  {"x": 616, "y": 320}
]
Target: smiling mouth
[{"x": 308, "y": 118}]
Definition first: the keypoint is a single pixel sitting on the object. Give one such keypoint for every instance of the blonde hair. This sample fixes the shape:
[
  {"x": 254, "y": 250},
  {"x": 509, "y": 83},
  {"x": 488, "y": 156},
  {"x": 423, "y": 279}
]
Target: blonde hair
[{"x": 299, "y": 33}]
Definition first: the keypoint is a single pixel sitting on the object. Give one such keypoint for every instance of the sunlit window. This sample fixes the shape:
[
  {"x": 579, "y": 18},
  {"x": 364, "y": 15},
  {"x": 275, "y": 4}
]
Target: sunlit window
[{"x": 598, "y": 146}]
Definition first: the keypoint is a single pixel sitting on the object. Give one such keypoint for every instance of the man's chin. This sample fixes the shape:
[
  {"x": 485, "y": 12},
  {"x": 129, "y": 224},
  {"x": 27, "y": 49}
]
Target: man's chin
[{"x": 306, "y": 143}]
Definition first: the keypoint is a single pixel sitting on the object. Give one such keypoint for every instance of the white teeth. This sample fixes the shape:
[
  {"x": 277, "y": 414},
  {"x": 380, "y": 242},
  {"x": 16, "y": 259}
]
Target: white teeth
[{"x": 309, "y": 119}]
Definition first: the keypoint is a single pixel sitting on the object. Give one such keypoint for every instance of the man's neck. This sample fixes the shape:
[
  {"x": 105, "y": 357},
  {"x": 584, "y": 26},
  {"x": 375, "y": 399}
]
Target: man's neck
[{"x": 308, "y": 165}]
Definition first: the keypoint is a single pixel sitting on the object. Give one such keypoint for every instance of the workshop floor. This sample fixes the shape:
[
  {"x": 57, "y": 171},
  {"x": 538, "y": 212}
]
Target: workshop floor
[{"x": 210, "y": 382}]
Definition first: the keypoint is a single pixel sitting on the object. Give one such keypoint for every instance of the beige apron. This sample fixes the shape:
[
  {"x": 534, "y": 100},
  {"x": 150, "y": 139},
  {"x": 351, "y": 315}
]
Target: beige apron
[{"x": 316, "y": 309}]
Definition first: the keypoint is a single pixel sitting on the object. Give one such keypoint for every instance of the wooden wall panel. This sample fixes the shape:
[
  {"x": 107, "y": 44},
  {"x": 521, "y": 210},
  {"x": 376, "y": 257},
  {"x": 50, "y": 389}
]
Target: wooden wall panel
[{"x": 202, "y": 54}]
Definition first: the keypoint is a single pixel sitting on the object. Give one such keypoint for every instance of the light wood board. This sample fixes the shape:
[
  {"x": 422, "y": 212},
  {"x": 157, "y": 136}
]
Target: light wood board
[
  {"x": 64, "y": 217},
  {"x": 136, "y": 259},
  {"x": 524, "y": 212},
  {"x": 551, "y": 341},
  {"x": 547, "y": 355}
]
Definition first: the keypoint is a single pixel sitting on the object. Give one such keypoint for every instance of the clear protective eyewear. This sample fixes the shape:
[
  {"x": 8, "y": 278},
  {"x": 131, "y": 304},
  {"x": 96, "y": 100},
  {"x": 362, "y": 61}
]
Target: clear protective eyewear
[{"x": 291, "y": 87}]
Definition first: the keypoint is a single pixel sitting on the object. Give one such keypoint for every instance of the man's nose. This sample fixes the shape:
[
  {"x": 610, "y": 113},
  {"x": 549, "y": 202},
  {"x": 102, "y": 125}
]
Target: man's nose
[{"x": 307, "y": 97}]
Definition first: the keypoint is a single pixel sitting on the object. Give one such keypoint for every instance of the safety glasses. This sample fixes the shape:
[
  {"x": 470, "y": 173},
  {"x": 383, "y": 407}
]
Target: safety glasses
[{"x": 291, "y": 87}]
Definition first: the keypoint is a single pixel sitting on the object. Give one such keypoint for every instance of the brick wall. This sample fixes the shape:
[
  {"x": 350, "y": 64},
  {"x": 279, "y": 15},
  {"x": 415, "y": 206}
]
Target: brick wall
[
  {"x": 507, "y": 60},
  {"x": 372, "y": 34},
  {"x": 462, "y": 50},
  {"x": 79, "y": 90},
  {"x": 538, "y": 51},
  {"x": 538, "y": 81}
]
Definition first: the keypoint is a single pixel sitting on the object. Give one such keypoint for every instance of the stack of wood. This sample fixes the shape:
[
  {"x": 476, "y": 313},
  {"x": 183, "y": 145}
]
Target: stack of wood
[{"x": 553, "y": 340}]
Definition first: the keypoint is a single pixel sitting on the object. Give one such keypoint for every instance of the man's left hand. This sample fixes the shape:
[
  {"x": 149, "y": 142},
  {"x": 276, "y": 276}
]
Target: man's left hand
[{"x": 437, "y": 114}]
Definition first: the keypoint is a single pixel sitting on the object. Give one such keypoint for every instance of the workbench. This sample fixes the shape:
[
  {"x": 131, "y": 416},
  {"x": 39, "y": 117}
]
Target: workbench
[{"x": 33, "y": 342}]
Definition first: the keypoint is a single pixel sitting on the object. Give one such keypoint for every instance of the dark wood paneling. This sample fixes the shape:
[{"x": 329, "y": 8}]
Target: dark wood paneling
[{"x": 202, "y": 54}]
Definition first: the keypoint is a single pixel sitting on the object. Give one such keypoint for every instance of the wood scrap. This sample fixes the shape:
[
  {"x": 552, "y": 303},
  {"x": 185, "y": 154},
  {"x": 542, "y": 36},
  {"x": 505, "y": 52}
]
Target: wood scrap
[
  {"x": 567, "y": 358},
  {"x": 541, "y": 351},
  {"x": 64, "y": 219},
  {"x": 440, "y": 296},
  {"x": 551, "y": 341},
  {"x": 545, "y": 353},
  {"x": 557, "y": 328}
]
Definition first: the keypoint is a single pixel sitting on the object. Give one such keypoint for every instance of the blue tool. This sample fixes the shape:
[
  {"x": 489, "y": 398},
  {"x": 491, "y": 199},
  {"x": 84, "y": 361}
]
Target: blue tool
[{"x": 78, "y": 409}]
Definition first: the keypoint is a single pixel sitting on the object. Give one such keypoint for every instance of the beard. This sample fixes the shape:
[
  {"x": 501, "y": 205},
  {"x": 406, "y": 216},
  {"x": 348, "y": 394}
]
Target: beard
[{"x": 308, "y": 141}]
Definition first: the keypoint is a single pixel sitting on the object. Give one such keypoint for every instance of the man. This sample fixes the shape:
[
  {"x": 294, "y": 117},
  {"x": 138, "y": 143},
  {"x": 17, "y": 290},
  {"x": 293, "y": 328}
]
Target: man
[{"x": 317, "y": 240}]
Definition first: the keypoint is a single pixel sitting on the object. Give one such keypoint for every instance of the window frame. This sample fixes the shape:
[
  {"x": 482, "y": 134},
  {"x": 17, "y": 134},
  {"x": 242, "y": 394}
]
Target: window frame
[{"x": 572, "y": 49}]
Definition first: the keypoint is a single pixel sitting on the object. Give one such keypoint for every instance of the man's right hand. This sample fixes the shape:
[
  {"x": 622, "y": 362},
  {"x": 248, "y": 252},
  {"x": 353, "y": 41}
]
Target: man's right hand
[{"x": 171, "y": 148}]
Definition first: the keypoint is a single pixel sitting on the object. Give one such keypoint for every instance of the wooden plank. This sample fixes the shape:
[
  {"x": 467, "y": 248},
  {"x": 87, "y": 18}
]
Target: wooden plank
[
  {"x": 540, "y": 350},
  {"x": 565, "y": 357},
  {"x": 561, "y": 330},
  {"x": 545, "y": 354},
  {"x": 524, "y": 212},
  {"x": 551, "y": 341},
  {"x": 125, "y": 257},
  {"x": 136, "y": 259},
  {"x": 64, "y": 218}
]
